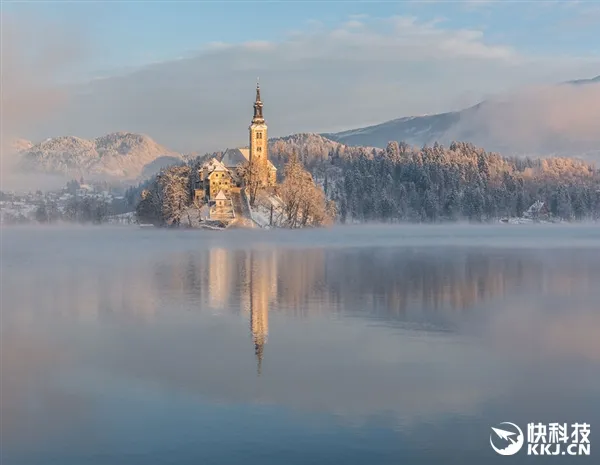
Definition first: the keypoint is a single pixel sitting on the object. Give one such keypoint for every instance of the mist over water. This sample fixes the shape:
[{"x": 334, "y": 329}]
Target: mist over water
[{"x": 349, "y": 345}]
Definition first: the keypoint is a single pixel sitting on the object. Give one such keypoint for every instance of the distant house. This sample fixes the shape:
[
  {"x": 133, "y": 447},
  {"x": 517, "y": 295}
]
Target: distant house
[
  {"x": 84, "y": 190},
  {"x": 537, "y": 211}
]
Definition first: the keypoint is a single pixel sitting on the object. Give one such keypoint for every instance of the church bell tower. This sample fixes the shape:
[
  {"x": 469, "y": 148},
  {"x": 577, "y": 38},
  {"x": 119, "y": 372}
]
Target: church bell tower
[{"x": 258, "y": 138}]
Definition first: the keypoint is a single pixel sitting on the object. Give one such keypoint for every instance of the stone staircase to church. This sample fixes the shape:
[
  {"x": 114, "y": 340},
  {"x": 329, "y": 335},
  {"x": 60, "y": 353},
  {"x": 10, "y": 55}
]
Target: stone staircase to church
[{"x": 243, "y": 218}]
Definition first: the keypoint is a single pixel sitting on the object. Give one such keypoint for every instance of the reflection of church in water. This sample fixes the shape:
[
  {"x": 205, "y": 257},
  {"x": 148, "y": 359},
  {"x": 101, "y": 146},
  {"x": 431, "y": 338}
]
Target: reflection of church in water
[
  {"x": 257, "y": 274},
  {"x": 262, "y": 287},
  {"x": 396, "y": 286}
]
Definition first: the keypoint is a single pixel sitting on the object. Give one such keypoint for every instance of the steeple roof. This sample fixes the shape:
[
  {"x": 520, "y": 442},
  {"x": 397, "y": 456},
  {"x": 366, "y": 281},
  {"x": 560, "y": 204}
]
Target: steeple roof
[{"x": 258, "y": 107}]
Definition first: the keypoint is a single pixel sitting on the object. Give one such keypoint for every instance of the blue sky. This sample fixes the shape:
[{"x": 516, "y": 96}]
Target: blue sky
[
  {"x": 132, "y": 33},
  {"x": 184, "y": 72}
]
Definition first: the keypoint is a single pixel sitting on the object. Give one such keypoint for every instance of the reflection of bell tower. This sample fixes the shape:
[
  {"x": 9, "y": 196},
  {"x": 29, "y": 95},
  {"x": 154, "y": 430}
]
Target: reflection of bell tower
[{"x": 261, "y": 271}]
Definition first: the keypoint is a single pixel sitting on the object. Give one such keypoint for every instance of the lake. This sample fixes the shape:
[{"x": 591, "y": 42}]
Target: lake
[{"x": 352, "y": 345}]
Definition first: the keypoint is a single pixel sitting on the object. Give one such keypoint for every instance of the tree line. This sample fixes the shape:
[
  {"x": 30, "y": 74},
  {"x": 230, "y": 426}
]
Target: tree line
[
  {"x": 461, "y": 182},
  {"x": 404, "y": 183},
  {"x": 437, "y": 183}
]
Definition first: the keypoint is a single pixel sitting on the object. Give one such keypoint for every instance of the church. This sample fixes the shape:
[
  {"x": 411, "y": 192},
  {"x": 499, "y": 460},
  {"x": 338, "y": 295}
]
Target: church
[{"x": 221, "y": 177}]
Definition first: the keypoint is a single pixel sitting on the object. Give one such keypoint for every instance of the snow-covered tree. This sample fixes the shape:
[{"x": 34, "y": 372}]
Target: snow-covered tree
[{"x": 304, "y": 203}]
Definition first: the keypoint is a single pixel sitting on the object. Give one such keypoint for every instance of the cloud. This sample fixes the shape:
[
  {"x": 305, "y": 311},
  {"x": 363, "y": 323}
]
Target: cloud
[
  {"x": 561, "y": 118},
  {"x": 317, "y": 80},
  {"x": 353, "y": 23},
  {"x": 31, "y": 70},
  {"x": 258, "y": 45}
]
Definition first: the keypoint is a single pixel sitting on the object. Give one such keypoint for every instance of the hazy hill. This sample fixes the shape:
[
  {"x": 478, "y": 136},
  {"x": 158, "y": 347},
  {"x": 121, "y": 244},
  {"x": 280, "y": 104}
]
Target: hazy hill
[
  {"x": 556, "y": 120},
  {"x": 311, "y": 148},
  {"x": 415, "y": 130},
  {"x": 120, "y": 155}
]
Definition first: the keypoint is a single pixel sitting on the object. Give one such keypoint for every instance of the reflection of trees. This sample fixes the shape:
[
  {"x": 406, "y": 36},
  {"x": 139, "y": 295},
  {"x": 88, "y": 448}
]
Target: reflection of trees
[
  {"x": 388, "y": 282},
  {"x": 365, "y": 282},
  {"x": 83, "y": 291},
  {"x": 218, "y": 277},
  {"x": 384, "y": 282},
  {"x": 302, "y": 281}
]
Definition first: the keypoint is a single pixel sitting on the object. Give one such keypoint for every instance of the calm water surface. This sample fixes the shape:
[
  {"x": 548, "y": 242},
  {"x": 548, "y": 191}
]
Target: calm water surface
[{"x": 370, "y": 345}]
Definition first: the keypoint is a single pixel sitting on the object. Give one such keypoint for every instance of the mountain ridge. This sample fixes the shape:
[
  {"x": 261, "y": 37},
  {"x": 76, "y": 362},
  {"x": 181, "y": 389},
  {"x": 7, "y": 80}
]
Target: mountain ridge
[
  {"x": 507, "y": 126},
  {"x": 534, "y": 122},
  {"x": 593, "y": 80},
  {"x": 120, "y": 155}
]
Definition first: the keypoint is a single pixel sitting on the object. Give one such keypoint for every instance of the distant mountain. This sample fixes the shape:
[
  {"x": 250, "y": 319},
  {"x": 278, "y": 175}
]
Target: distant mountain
[
  {"x": 121, "y": 155},
  {"x": 415, "y": 130},
  {"x": 556, "y": 120},
  {"x": 579, "y": 82}
]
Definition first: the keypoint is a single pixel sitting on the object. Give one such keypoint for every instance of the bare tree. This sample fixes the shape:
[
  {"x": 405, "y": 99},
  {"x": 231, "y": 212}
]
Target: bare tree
[
  {"x": 253, "y": 176},
  {"x": 175, "y": 186}
]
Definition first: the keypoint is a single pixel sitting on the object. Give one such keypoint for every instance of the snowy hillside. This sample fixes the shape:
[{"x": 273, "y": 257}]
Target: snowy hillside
[
  {"x": 559, "y": 120},
  {"x": 416, "y": 130},
  {"x": 120, "y": 155},
  {"x": 311, "y": 148}
]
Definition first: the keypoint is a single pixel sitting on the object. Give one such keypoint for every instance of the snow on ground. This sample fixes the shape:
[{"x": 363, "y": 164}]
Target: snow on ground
[
  {"x": 192, "y": 217},
  {"x": 10, "y": 211},
  {"x": 261, "y": 213},
  {"x": 261, "y": 216},
  {"x": 517, "y": 220},
  {"x": 123, "y": 218}
]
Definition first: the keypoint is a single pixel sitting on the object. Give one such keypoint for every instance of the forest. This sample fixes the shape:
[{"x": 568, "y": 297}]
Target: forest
[{"x": 430, "y": 184}]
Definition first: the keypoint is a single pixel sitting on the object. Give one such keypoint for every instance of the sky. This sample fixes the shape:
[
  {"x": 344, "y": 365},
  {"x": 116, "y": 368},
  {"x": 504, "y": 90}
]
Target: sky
[{"x": 184, "y": 72}]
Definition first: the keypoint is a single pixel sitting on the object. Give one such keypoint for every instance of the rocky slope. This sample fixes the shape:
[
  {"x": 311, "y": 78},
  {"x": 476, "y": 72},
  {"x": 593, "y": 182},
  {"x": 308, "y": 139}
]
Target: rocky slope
[{"x": 120, "y": 155}]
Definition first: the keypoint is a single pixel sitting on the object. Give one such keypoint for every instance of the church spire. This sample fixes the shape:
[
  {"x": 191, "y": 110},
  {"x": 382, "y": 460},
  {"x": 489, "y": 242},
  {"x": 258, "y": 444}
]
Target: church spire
[{"x": 258, "y": 107}]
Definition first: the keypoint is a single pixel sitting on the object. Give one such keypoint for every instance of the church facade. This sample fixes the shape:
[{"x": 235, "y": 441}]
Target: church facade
[{"x": 222, "y": 176}]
